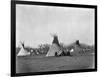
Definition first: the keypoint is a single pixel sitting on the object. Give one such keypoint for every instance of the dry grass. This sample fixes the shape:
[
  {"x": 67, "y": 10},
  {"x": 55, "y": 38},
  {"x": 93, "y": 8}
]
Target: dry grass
[{"x": 41, "y": 63}]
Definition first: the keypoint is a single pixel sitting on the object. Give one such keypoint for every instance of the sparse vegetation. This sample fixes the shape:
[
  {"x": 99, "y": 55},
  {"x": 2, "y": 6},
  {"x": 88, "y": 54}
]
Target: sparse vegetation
[{"x": 43, "y": 49}]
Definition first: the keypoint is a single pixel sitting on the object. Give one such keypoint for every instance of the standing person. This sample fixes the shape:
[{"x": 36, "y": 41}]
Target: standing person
[{"x": 69, "y": 52}]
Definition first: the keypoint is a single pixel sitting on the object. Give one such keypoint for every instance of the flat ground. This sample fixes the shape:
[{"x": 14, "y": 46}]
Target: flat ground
[{"x": 41, "y": 63}]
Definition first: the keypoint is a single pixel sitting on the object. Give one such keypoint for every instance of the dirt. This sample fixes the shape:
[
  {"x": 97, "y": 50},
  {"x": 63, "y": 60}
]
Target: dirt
[{"x": 41, "y": 63}]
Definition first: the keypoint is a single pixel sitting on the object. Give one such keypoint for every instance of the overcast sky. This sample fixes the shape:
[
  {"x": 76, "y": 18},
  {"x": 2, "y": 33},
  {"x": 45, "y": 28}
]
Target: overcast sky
[{"x": 35, "y": 23}]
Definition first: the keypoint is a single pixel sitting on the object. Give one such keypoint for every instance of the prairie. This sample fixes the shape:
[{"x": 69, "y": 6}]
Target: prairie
[{"x": 40, "y": 63}]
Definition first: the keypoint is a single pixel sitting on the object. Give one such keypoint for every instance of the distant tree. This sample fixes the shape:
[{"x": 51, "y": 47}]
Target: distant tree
[{"x": 43, "y": 48}]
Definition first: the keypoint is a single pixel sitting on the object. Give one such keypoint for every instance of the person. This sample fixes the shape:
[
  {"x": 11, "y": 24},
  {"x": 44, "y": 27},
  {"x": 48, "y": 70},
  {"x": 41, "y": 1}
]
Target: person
[
  {"x": 68, "y": 52},
  {"x": 56, "y": 54}
]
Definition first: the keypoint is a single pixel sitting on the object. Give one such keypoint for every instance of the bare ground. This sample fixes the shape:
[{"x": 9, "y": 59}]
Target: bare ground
[{"x": 41, "y": 63}]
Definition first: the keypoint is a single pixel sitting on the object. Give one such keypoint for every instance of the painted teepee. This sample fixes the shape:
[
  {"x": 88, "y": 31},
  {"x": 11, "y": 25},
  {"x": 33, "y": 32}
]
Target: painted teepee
[
  {"x": 22, "y": 51},
  {"x": 54, "y": 49}
]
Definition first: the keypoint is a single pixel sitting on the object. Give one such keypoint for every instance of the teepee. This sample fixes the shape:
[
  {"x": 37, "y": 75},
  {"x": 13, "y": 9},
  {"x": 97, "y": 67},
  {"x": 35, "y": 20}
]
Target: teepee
[
  {"x": 22, "y": 51},
  {"x": 77, "y": 48},
  {"x": 54, "y": 49}
]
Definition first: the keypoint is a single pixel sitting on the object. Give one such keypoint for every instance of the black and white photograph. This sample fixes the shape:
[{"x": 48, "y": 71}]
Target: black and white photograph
[{"x": 54, "y": 38}]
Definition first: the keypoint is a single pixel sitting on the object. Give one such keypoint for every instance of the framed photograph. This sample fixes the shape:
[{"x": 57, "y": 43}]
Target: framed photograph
[{"x": 52, "y": 38}]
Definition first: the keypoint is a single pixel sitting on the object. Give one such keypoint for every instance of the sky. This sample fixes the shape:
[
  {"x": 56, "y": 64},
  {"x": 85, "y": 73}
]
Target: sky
[{"x": 35, "y": 24}]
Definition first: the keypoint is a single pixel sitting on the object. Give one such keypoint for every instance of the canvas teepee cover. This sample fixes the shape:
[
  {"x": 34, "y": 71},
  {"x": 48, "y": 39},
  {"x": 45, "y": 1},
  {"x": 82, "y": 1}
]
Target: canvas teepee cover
[
  {"x": 23, "y": 52},
  {"x": 54, "y": 48}
]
